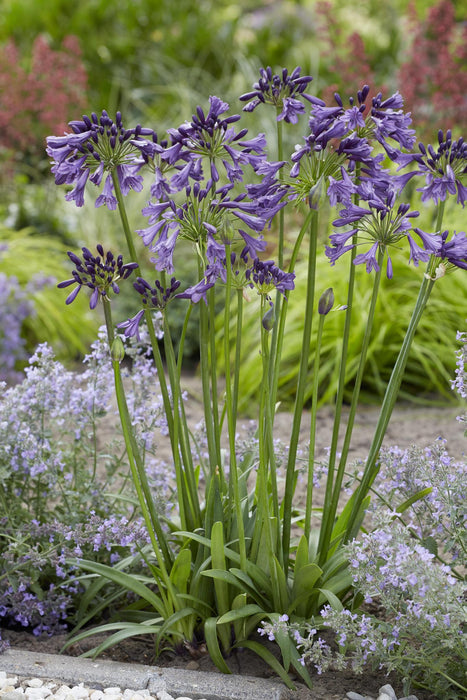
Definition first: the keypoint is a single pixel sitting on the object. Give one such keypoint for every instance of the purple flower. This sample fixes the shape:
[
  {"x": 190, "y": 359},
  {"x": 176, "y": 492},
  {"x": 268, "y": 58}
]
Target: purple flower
[
  {"x": 380, "y": 224},
  {"x": 390, "y": 122},
  {"x": 205, "y": 214},
  {"x": 211, "y": 136},
  {"x": 453, "y": 251},
  {"x": 96, "y": 145},
  {"x": 99, "y": 273},
  {"x": 444, "y": 168},
  {"x": 285, "y": 92},
  {"x": 197, "y": 292},
  {"x": 265, "y": 276}
]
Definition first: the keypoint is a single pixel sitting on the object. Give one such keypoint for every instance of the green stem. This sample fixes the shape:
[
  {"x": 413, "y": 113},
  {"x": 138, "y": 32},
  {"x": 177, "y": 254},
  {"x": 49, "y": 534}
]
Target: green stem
[
  {"x": 231, "y": 417},
  {"x": 143, "y": 491},
  {"x": 314, "y": 412},
  {"x": 276, "y": 358},
  {"x": 238, "y": 347},
  {"x": 300, "y": 391},
  {"x": 279, "y": 302},
  {"x": 147, "y": 313},
  {"x": 204, "y": 349},
  {"x": 186, "y": 485},
  {"x": 263, "y": 443},
  {"x": 333, "y": 488},
  {"x": 389, "y": 401}
]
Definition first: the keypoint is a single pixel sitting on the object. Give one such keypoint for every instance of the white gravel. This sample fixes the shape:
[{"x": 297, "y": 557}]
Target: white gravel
[{"x": 14, "y": 688}]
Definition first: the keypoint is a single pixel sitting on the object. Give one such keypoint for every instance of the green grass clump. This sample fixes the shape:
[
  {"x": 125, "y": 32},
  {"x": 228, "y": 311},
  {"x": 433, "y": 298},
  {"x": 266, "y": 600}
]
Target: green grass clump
[{"x": 428, "y": 370}]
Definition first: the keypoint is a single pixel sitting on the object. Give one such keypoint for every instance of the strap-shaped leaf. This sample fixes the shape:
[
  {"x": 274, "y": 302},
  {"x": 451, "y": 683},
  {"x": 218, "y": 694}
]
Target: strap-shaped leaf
[
  {"x": 126, "y": 581},
  {"x": 332, "y": 599},
  {"x": 413, "y": 499},
  {"x": 212, "y": 643},
  {"x": 127, "y": 629},
  {"x": 240, "y": 613},
  {"x": 301, "y": 555},
  {"x": 270, "y": 659},
  {"x": 181, "y": 570}
]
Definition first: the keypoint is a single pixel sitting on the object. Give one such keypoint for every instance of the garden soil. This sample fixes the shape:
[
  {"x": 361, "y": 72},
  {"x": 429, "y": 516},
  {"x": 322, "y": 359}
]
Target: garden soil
[{"x": 409, "y": 425}]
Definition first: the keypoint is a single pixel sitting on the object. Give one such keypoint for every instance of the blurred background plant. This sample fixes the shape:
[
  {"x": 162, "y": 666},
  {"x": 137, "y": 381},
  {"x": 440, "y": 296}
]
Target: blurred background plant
[{"x": 156, "y": 61}]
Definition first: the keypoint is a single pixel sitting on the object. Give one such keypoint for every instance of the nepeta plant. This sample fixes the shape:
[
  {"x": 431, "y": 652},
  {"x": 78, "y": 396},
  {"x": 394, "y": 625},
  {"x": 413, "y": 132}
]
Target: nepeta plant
[
  {"x": 227, "y": 559},
  {"x": 65, "y": 491}
]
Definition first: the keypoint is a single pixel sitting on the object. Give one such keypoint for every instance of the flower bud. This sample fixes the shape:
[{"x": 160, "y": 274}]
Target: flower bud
[
  {"x": 269, "y": 319},
  {"x": 117, "y": 351},
  {"x": 315, "y": 194},
  {"x": 326, "y": 302}
]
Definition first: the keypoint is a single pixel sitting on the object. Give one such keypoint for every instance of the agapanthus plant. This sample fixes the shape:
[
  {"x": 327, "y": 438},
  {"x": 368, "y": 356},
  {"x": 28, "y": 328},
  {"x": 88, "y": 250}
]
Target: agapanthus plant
[{"x": 228, "y": 557}]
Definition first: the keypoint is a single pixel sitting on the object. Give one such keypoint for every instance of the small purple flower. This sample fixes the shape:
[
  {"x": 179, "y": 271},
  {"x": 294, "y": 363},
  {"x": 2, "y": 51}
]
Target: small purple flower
[
  {"x": 285, "y": 92},
  {"x": 100, "y": 273},
  {"x": 97, "y": 145}
]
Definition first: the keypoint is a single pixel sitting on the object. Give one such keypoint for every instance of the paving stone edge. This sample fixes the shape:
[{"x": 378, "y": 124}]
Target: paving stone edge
[{"x": 102, "y": 673}]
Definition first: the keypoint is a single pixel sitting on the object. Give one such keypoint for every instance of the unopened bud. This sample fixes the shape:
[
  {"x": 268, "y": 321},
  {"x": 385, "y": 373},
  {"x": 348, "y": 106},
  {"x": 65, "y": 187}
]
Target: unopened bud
[
  {"x": 269, "y": 319},
  {"x": 326, "y": 302},
  {"x": 117, "y": 351},
  {"x": 315, "y": 194}
]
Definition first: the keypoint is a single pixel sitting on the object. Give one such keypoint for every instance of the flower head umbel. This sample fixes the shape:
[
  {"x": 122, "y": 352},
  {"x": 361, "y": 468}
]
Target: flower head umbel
[
  {"x": 445, "y": 168},
  {"x": 100, "y": 273},
  {"x": 155, "y": 298},
  {"x": 285, "y": 92},
  {"x": 340, "y": 137},
  {"x": 212, "y": 136},
  {"x": 453, "y": 253},
  {"x": 203, "y": 216},
  {"x": 381, "y": 224},
  {"x": 97, "y": 145},
  {"x": 266, "y": 277}
]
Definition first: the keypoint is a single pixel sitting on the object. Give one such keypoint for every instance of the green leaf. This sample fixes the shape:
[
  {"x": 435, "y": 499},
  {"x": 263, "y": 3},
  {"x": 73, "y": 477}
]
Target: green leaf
[
  {"x": 279, "y": 581},
  {"x": 270, "y": 659},
  {"x": 332, "y": 599},
  {"x": 169, "y": 626},
  {"x": 413, "y": 499},
  {"x": 212, "y": 643},
  {"x": 301, "y": 555},
  {"x": 126, "y": 629},
  {"x": 127, "y": 582},
  {"x": 240, "y": 613},
  {"x": 181, "y": 570}
]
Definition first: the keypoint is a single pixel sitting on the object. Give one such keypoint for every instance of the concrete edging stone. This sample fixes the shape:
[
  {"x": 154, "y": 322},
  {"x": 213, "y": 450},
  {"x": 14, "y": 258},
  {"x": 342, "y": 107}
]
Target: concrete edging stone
[{"x": 100, "y": 674}]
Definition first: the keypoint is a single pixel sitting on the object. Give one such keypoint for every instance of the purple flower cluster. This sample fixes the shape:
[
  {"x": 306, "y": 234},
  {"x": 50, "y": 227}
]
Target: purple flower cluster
[
  {"x": 378, "y": 223},
  {"x": 285, "y": 92},
  {"x": 98, "y": 145},
  {"x": 99, "y": 273},
  {"x": 445, "y": 168}
]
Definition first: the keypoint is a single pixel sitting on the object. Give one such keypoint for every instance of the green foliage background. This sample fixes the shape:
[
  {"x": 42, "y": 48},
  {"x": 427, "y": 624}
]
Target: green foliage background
[{"x": 155, "y": 61}]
